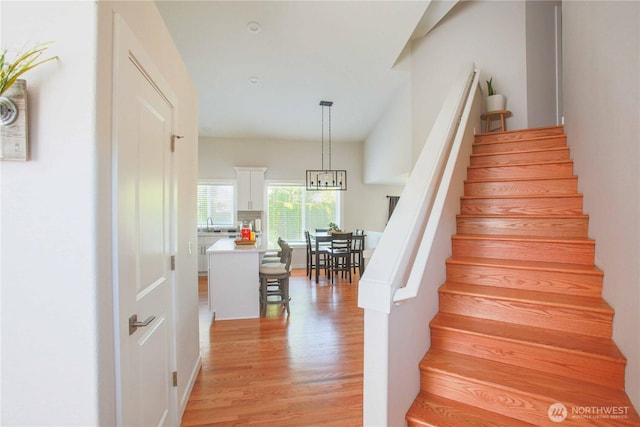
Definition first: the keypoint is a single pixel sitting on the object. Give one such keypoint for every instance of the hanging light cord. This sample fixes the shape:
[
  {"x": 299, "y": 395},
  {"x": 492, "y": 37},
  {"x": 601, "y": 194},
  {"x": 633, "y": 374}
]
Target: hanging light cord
[
  {"x": 329, "y": 137},
  {"x": 322, "y": 153}
]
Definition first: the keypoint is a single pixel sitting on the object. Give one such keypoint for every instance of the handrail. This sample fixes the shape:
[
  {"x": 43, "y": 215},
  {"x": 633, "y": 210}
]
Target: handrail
[
  {"x": 400, "y": 258},
  {"x": 439, "y": 184}
]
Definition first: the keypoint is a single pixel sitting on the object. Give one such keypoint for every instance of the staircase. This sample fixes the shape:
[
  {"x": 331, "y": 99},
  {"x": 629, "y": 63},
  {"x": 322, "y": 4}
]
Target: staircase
[{"x": 523, "y": 336}]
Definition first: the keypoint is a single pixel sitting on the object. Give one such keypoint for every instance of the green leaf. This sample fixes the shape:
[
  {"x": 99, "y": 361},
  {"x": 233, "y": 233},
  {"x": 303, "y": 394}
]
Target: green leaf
[{"x": 11, "y": 71}]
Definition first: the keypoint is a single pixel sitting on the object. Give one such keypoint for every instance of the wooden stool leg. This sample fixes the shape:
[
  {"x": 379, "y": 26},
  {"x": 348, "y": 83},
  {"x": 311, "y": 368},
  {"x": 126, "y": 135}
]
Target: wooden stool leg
[
  {"x": 263, "y": 296},
  {"x": 487, "y": 124},
  {"x": 503, "y": 124},
  {"x": 285, "y": 291}
]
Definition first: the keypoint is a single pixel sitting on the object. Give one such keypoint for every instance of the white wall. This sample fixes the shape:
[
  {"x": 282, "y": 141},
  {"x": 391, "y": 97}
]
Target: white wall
[
  {"x": 57, "y": 336},
  {"x": 488, "y": 33},
  {"x": 364, "y": 206},
  {"x": 49, "y": 271},
  {"x": 387, "y": 150},
  {"x": 602, "y": 110}
]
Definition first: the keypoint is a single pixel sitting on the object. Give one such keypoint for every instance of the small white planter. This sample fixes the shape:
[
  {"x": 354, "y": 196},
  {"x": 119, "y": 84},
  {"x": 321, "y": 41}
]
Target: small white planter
[{"x": 496, "y": 103}]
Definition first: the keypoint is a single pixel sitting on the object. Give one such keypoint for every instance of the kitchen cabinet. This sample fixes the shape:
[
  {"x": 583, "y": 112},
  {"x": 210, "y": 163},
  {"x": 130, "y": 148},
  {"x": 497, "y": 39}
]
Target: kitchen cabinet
[
  {"x": 233, "y": 279},
  {"x": 250, "y": 189},
  {"x": 205, "y": 242}
]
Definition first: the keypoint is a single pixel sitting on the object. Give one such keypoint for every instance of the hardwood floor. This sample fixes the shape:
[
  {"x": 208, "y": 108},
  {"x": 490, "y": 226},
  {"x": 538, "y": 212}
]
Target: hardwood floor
[{"x": 299, "y": 370}]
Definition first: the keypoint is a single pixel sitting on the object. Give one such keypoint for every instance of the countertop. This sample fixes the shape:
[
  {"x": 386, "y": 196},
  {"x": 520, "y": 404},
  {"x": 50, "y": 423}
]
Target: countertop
[{"x": 229, "y": 246}]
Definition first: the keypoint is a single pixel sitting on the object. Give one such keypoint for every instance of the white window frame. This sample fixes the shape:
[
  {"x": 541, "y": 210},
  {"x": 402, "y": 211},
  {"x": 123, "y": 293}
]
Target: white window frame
[
  {"x": 229, "y": 182},
  {"x": 302, "y": 184}
]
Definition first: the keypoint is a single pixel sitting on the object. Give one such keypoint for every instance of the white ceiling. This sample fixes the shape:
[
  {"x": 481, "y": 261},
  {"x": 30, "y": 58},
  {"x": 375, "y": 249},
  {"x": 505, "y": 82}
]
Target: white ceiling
[{"x": 304, "y": 52}]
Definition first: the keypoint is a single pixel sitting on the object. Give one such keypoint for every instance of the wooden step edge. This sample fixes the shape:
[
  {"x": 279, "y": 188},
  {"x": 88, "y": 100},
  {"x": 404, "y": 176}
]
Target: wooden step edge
[
  {"x": 539, "y": 239},
  {"x": 523, "y": 196},
  {"x": 600, "y": 348},
  {"x": 556, "y": 131},
  {"x": 504, "y": 139},
  {"x": 547, "y": 299},
  {"x": 511, "y": 165},
  {"x": 520, "y": 152},
  {"x": 518, "y": 179},
  {"x": 523, "y": 381},
  {"x": 430, "y": 410},
  {"x": 527, "y": 265},
  {"x": 524, "y": 216}
]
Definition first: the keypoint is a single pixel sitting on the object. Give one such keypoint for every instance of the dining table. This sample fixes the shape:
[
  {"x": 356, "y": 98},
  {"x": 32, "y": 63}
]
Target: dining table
[{"x": 323, "y": 239}]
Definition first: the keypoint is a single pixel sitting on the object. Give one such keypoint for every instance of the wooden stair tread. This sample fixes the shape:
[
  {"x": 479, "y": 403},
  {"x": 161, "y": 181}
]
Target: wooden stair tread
[
  {"x": 525, "y": 216},
  {"x": 527, "y": 265},
  {"x": 533, "y": 297},
  {"x": 522, "y": 196},
  {"x": 511, "y": 165},
  {"x": 546, "y": 178},
  {"x": 432, "y": 410},
  {"x": 524, "y": 152},
  {"x": 599, "y": 347},
  {"x": 508, "y": 237},
  {"x": 523, "y": 380},
  {"x": 522, "y": 134}
]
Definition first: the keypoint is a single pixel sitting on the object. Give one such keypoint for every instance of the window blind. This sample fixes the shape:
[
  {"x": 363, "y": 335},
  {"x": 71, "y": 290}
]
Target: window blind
[{"x": 215, "y": 201}]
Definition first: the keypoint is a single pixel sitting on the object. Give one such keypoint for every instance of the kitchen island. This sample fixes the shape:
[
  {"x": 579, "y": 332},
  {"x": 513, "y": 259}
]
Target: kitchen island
[{"x": 233, "y": 279}]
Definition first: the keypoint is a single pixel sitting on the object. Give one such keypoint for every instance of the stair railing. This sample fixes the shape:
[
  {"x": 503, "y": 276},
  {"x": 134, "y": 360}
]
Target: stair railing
[
  {"x": 394, "y": 271},
  {"x": 397, "y": 267}
]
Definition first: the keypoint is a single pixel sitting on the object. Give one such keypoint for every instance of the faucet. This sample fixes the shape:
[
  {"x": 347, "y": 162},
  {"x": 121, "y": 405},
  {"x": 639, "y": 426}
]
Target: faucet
[{"x": 209, "y": 219}]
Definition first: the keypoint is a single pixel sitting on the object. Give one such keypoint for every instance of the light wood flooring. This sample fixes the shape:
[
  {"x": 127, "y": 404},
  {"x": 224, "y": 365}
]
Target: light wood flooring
[{"x": 304, "y": 369}]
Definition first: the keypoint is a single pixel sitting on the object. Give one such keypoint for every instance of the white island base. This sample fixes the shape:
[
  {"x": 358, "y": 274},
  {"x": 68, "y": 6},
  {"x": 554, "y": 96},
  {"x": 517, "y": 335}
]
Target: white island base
[{"x": 233, "y": 280}]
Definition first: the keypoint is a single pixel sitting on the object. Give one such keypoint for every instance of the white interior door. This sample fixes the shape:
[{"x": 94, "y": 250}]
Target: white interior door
[{"x": 142, "y": 218}]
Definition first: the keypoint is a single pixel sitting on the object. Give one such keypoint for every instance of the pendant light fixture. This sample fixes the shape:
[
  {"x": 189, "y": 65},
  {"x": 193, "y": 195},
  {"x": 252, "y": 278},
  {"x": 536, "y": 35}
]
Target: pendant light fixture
[{"x": 326, "y": 179}]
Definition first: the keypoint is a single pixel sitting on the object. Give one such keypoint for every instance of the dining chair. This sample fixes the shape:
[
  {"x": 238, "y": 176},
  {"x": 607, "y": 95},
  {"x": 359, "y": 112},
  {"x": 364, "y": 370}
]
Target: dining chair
[
  {"x": 311, "y": 254},
  {"x": 339, "y": 255},
  {"x": 321, "y": 242},
  {"x": 357, "y": 250}
]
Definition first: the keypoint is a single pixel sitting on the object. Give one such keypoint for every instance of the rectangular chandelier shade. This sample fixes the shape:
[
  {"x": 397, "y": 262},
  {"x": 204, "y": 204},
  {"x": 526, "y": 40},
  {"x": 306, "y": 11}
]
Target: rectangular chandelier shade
[{"x": 327, "y": 180}]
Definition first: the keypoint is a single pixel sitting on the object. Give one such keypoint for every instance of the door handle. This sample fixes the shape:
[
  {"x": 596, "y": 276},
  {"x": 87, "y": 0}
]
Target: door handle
[{"x": 134, "y": 324}]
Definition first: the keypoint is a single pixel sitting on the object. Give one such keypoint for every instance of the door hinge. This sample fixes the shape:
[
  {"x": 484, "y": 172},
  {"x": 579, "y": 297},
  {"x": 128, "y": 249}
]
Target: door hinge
[
  {"x": 175, "y": 379},
  {"x": 173, "y": 142},
  {"x": 173, "y": 263}
]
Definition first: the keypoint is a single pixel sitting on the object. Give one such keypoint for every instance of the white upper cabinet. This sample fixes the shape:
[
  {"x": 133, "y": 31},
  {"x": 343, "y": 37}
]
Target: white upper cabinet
[{"x": 250, "y": 189}]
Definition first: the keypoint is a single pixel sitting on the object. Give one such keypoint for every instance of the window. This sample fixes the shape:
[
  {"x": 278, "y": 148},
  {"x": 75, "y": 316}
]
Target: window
[
  {"x": 291, "y": 210},
  {"x": 215, "y": 201}
]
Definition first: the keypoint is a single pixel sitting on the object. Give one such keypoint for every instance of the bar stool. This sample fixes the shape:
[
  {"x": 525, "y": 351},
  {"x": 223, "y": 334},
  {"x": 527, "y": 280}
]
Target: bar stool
[
  {"x": 274, "y": 281},
  {"x": 274, "y": 257}
]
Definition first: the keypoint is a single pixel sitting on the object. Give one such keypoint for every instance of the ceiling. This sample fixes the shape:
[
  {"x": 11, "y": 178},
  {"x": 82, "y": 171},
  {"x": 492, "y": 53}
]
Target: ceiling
[{"x": 265, "y": 81}]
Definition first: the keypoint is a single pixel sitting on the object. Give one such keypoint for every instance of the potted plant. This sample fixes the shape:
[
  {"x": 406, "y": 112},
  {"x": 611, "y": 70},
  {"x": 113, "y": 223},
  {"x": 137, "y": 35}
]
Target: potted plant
[
  {"x": 333, "y": 227},
  {"x": 494, "y": 102},
  {"x": 9, "y": 73}
]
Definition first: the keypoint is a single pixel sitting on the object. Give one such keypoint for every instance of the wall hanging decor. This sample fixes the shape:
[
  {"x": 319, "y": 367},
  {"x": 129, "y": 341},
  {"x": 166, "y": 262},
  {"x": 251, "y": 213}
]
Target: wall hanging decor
[{"x": 13, "y": 101}]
